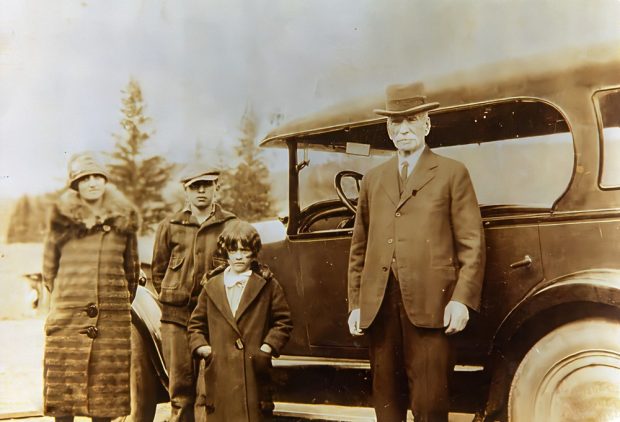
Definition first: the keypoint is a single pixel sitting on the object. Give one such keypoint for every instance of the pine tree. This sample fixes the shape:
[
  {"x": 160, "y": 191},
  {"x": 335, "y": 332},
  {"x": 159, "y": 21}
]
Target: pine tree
[
  {"x": 140, "y": 178},
  {"x": 30, "y": 217},
  {"x": 18, "y": 224},
  {"x": 39, "y": 215},
  {"x": 245, "y": 189}
]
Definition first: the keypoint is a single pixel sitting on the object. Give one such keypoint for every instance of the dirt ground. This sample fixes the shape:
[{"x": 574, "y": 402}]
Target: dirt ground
[
  {"x": 21, "y": 367},
  {"x": 21, "y": 331}
]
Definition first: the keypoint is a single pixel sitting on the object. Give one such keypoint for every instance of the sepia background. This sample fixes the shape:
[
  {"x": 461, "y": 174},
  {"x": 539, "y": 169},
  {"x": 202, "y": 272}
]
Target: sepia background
[{"x": 156, "y": 84}]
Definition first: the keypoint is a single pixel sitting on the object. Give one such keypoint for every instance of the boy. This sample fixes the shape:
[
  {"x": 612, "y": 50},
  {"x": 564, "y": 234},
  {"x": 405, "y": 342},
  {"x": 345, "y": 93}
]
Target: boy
[
  {"x": 242, "y": 319},
  {"x": 183, "y": 254}
]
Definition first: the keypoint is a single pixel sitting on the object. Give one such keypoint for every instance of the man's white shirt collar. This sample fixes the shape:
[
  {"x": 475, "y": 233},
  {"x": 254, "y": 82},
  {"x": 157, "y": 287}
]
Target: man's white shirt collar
[{"x": 411, "y": 159}]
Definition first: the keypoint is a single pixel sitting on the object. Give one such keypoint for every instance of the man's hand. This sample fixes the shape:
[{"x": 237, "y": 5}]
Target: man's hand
[
  {"x": 203, "y": 352},
  {"x": 455, "y": 317},
  {"x": 354, "y": 323},
  {"x": 266, "y": 348}
]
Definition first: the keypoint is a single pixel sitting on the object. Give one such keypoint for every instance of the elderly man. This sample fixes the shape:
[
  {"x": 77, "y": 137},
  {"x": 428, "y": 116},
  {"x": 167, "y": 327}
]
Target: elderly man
[
  {"x": 183, "y": 253},
  {"x": 416, "y": 264}
]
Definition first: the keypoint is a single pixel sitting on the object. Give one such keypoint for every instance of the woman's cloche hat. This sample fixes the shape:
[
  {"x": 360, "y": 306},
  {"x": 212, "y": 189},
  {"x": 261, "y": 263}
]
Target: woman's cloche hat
[
  {"x": 405, "y": 100},
  {"x": 84, "y": 164}
]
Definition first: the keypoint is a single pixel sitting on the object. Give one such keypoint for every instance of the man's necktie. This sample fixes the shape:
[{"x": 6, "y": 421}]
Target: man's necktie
[{"x": 404, "y": 170}]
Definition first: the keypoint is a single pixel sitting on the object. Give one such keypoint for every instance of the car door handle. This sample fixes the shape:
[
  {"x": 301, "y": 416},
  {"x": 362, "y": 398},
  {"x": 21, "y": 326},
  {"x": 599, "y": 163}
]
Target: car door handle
[{"x": 525, "y": 262}]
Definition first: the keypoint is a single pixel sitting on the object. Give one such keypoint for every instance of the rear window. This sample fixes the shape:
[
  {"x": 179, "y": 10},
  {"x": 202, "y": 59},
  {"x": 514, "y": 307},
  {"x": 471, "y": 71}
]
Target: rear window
[
  {"x": 518, "y": 152},
  {"x": 608, "y": 103}
]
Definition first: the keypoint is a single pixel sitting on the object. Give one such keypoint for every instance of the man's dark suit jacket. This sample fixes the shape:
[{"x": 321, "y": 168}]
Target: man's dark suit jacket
[{"x": 434, "y": 231}]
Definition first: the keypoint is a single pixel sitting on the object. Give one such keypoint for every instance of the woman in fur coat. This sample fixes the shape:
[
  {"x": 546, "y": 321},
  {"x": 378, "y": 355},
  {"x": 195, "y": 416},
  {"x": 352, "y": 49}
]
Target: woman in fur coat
[{"x": 91, "y": 268}]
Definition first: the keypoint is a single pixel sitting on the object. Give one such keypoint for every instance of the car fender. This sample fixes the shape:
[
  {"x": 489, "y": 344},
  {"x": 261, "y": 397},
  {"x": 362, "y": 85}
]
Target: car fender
[
  {"x": 596, "y": 286},
  {"x": 146, "y": 317}
]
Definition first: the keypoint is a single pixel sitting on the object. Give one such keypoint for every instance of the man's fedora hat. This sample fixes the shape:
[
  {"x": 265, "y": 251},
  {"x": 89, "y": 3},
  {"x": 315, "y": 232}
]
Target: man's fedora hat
[{"x": 405, "y": 100}]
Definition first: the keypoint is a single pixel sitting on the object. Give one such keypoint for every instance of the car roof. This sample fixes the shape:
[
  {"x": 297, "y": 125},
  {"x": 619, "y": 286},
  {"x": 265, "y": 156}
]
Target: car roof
[{"x": 542, "y": 77}]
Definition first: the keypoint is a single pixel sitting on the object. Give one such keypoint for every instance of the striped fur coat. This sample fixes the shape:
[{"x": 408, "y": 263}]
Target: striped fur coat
[{"x": 91, "y": 268}]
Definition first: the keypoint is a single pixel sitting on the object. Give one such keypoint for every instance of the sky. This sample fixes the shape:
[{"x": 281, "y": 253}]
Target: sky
[{"x": 202, "y": 63}]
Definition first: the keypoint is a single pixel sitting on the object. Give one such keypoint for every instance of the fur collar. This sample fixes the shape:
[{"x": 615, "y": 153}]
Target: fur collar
[{"x": 116, "y": 211}]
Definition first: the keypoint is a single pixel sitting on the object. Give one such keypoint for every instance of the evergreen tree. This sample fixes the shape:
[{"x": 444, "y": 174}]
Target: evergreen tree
[
  {"x": 18, "y": 224},
  {"x": 245, "y": 189},
  {"x": 30, "y": 217},
  {"x": 39, "y": 215},
  {"x": 140, "y": 178}
]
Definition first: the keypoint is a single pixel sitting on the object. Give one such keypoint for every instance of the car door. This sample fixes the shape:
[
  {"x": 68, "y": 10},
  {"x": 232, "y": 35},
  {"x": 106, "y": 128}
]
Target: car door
[
  {"x": 513, "y": 267},
  {"x": 323, "y": 265}
]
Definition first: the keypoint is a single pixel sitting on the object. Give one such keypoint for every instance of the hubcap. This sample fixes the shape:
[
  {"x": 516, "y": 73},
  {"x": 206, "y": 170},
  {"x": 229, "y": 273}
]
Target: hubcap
[{"x": 582, "y": 387}]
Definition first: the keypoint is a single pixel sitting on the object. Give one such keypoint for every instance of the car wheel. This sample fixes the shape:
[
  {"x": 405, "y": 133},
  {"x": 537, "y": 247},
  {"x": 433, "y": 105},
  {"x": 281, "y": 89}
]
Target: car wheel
[{"x": 571, "y": 374}]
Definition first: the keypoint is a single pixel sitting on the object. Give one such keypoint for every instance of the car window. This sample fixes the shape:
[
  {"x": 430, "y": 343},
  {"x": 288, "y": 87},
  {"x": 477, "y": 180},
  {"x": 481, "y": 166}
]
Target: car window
[
  {"x": 609, "y": 111},
  {"x": 518, "y": 152},
  {"x": 532, "y": 171},
  {"x": 316, "y": 182}
]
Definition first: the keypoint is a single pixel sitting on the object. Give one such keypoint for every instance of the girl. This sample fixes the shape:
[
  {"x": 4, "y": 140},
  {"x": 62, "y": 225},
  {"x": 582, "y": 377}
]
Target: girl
[
  {"x": 91, "y": 268},
  {"x": 242, "y": 319}
]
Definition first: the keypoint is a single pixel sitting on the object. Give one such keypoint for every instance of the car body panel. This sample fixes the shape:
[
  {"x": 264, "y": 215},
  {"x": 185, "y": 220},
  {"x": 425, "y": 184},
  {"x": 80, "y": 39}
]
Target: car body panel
[{"x": 146, "y": 316}]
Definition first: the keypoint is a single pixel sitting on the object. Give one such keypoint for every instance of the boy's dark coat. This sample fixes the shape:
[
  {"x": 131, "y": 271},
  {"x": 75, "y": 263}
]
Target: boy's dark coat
[
  {"x": 182, "y": 255},
  {"x": 237, "y": 373}
]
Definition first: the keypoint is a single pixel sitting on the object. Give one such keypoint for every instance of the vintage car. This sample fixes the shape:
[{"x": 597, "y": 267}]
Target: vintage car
[{"x": 541, "y": 140}]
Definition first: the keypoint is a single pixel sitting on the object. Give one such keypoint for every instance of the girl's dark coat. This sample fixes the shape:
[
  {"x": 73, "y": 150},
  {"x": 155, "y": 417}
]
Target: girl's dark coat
[
  {"x": 237, "y": 375},
  {"x": 92, "y": 272}
]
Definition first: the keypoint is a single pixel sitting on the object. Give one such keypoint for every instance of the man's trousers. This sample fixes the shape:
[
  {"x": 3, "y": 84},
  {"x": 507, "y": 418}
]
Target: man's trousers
[
  {"x": 410, "y": 365},
  {"x": 180, "y": 365}
]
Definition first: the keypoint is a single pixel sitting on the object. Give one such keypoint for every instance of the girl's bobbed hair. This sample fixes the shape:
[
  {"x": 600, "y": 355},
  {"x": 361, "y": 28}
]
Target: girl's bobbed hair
[{"x": 237, "y": 235}]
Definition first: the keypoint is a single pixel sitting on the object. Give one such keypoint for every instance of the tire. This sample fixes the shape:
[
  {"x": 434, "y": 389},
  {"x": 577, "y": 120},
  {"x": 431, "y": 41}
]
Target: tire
[{"x": 571, "y": 374}]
